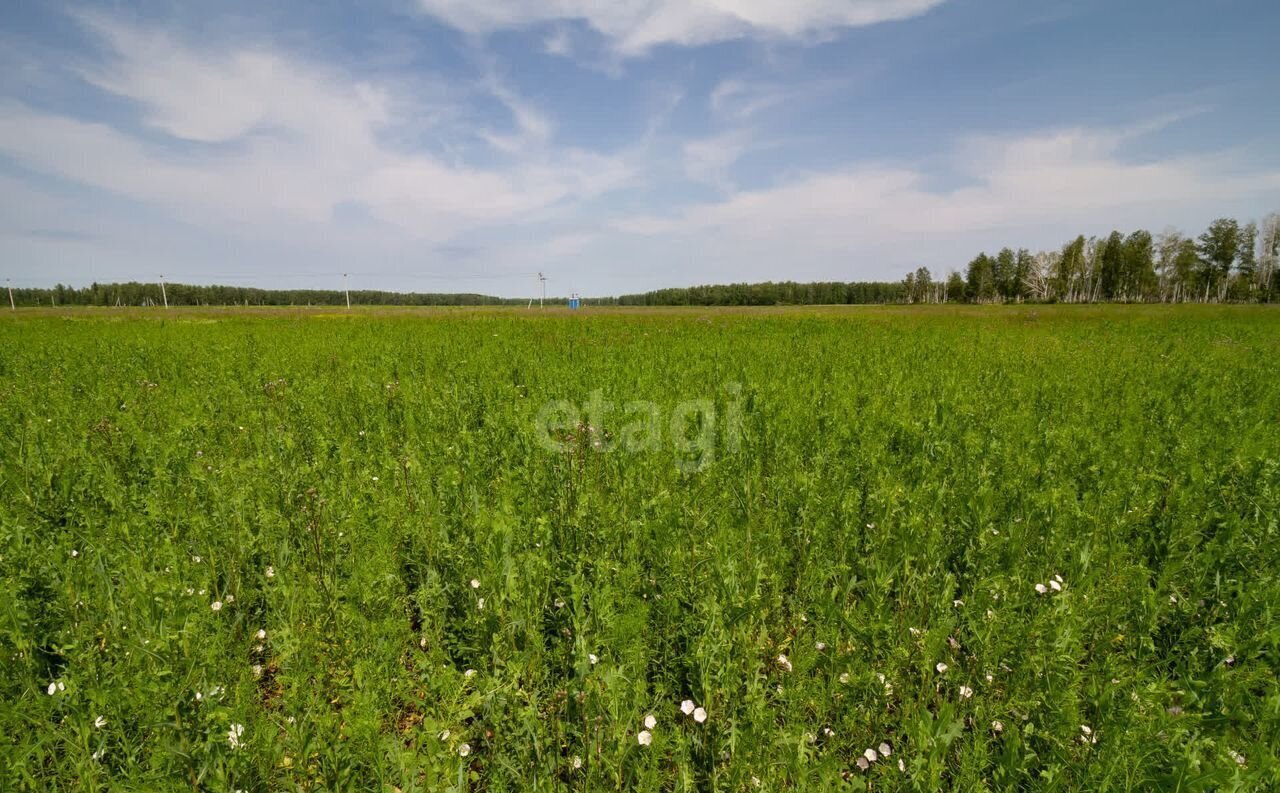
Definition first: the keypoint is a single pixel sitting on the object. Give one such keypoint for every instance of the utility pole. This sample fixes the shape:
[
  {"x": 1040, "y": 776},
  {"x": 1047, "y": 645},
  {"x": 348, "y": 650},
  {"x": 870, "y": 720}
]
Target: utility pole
[
  {"x": 542, "y": 299},
  {"x": 163, "y": 293},
  {"x": 9, "y": 284},
  {"x": 346, "y": 290}
]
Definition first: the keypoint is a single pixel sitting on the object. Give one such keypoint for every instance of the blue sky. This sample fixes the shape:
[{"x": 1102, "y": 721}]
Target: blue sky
[{"x": 464, "y": 145}]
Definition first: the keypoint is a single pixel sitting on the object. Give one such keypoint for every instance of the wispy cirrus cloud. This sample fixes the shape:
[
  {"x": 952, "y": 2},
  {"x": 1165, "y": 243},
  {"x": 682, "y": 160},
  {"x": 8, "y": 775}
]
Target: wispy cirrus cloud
[
  {"x": 1012, "y": 185},
  {"x": 274, "y": 138},
  {"x": 636, "y": 26}
]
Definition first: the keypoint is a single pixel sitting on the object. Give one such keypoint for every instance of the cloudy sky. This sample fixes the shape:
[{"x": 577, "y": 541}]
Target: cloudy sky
[{"x": 617, "y": 145}]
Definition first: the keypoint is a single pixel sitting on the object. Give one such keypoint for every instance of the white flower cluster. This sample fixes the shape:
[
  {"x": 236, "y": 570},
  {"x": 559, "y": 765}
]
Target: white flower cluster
[{"x": 1056, "y": 584}]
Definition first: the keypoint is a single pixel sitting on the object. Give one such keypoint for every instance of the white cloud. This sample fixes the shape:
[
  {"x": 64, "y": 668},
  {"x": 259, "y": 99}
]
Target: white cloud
[
  {"x": 558, "y": 43},
  {"x": 294, "y": 140},
  {"x": 637, "y": 25},
  {"x": 1068, "y": 181},
  {"x": 708, "y": 160}
]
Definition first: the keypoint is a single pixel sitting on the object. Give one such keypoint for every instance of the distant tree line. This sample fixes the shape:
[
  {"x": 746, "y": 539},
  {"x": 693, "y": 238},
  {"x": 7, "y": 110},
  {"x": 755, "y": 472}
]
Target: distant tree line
[
  {"x": 140, "y": 294},
  {"x": 1229, "y": 262},
  {"x": 784, "y": 293}
]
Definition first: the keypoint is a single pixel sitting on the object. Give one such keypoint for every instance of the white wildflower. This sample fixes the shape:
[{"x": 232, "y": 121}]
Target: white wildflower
[
  {"x": 464, "y": 750},
  {"x": 686, "y": 707},
  {"x": 820, "y": 646},
  {"x": 902, "y": 766},
  {"x": 100, "y": 722},
  {"x": 1041, "y": 588},
  {"x": 257, "y": 670},
  {"x": 997, "y": 726},
  {"x": 233, "y": 736},
  {"x": 941, "y": 667},
  {"x": 444, "y": 735},
  {"x": 480, "y": 604},
  {"x": 862, "y": 763},
  {"x": 261, "y": 634},
  {"x": 965, "y": 692},
  {"x": 844, "y": 677},
  {"x": 885, "y": 750},
  {"x": 271, "y": 572},
  {"x": 871, "y": 755},
  {"x": 475, "y": 583},
  {"x": 217, "y": 605},
  {"x": 645, "y": 738},
  {"x": 1086, "y": 729},
  {"x": 784, "y": 663},
  {"x": 650, "y": 722},
  {"x": 700, "y": 715},
  {"x": 1055, "y": 586},
  {"x": 470, "y": 673},
  {"x": 577, "y": 762},
  {"x": 53, "y": 689},
  {"x": 593, "y": 658}
]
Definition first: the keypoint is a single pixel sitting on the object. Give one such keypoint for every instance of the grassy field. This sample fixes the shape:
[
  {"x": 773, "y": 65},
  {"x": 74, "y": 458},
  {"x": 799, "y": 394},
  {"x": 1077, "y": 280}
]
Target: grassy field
[{"x": 475, "y": 550}]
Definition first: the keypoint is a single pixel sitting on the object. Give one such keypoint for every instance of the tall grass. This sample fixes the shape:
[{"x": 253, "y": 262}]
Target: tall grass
[{"x": 903, "y": 482}]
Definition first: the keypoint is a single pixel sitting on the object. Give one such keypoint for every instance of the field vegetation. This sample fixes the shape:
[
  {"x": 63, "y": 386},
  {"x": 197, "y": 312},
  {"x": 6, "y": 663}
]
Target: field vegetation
[{"x": 896, "y": 549}]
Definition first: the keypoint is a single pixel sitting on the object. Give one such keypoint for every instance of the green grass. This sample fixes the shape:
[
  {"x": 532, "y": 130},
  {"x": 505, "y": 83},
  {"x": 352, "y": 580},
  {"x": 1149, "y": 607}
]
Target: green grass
[{"x": 901, "y": 481}]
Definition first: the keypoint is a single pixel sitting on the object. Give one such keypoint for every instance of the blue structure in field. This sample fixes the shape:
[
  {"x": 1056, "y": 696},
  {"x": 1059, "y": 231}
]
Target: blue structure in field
[{"x": 574, "y": 302}]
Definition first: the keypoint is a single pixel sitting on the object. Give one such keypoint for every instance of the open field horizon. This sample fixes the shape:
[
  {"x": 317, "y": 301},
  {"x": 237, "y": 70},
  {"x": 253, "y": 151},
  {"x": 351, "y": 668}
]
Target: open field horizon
[{"x": 897, "y": 548}]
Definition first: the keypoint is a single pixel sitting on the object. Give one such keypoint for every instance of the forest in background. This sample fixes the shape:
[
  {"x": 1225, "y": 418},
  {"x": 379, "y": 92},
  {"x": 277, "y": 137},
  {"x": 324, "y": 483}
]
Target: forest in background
[{"x": 1228, "y": 262}]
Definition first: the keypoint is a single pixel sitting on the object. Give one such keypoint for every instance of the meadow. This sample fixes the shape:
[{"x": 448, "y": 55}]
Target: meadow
[{"x": 893, "y": 549}]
